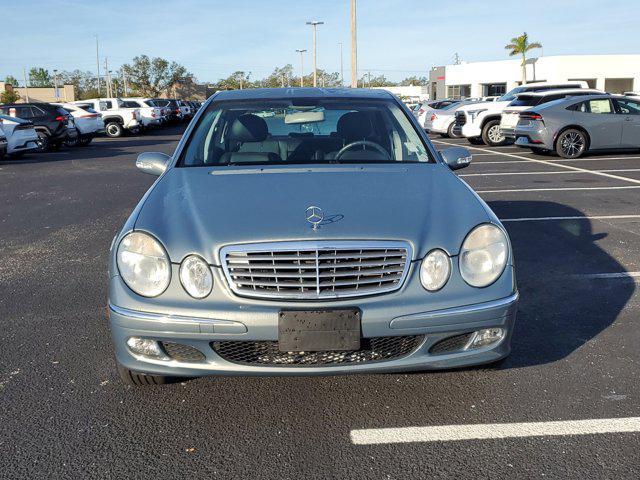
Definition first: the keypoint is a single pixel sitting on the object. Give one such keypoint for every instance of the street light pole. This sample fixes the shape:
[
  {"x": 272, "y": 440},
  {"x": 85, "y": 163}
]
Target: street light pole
[
  {"x": 301, "y": 52},
  {"x": 315, "y": 24},
  {"x": 341, "y": 67},
  {"x": 354, "y": 47},
  {"x": 98, "y": 65},
  {"x": 55, "y": 85}
]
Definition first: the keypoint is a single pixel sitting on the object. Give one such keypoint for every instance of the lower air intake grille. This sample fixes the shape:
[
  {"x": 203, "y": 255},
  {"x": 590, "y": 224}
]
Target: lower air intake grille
[
  {"x": 183, "y": 353},
  {"x": 266, "y": 353},
  {"x": 451, "y": 344},
  {"x": 461, "y": 119}
]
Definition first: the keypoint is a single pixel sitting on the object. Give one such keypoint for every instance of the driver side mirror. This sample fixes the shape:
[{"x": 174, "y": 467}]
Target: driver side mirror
[
  {"x": 456, "y": 157},
  {"x": 153, "y": 163}
]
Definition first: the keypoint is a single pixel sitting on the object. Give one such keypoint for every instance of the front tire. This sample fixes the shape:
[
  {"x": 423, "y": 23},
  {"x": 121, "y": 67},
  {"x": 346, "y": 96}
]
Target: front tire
[
  {"x": 571, "y": 143},
  {"x": 129, "y": 377},
  {"x": 43, "y": 143},
  {"x": 114, "y": 129},
  {"x": 491, "y": 134}
]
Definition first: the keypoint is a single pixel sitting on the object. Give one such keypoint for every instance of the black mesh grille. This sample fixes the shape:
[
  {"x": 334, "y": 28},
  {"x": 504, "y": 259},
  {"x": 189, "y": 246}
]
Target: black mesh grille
[
  {"x": 183, "y": 353},
  {"x": 451, "y": 344},
  {"x": 266, "y": 353},
  {"x": 461, "y": 119}
]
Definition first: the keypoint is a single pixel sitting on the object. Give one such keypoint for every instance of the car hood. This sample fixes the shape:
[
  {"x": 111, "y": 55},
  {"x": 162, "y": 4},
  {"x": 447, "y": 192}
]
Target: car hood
[
  {"x": 493, "y": 106},
  {"x": 199, "y": 210}
]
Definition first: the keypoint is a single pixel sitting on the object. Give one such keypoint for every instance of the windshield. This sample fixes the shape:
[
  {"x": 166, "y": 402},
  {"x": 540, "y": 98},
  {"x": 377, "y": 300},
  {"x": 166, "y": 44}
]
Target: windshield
[
  {"x": 310, "y": 131},
  {"x": 510, "y": 96}
]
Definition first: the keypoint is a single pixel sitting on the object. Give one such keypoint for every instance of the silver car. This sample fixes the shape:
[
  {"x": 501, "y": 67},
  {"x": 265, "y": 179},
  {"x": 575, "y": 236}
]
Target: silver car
[
  {"x": 575, "y": 126},
  {"x": 308, "y": 232}
]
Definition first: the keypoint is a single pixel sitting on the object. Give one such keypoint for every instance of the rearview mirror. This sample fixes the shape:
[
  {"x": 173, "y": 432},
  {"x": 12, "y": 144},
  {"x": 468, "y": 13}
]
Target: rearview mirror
[
  {"x": 456, "y": 157},
  {"x": 153, "y": 163}
]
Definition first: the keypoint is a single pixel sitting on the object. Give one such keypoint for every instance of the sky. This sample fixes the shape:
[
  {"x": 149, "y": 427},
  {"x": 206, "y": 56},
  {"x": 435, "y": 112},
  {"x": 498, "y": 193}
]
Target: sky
[{"x": 213, "y": 38}]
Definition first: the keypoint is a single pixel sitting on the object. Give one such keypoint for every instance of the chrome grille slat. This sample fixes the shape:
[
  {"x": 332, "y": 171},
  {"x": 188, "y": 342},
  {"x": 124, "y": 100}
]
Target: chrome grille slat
[{"x": 315, "y": 270}]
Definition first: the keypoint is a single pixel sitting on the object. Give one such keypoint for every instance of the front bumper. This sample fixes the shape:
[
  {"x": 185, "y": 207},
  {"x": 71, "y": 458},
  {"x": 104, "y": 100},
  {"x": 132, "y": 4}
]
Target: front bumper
[
  {"x": 468, "y": 130},
  {"x": 199, "y": 332}
]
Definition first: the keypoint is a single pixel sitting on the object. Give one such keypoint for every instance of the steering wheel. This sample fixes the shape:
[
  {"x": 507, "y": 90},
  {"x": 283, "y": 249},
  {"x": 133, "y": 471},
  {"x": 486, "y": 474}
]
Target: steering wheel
[{"x": 364, "y": 143}]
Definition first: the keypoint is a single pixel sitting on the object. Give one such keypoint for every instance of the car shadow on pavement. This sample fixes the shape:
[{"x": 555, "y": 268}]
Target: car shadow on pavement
[{"x": 561, "y": 308}]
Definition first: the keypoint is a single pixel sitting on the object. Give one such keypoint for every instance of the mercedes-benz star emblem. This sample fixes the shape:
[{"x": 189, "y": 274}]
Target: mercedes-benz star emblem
[{"x": 315, "y": 216}]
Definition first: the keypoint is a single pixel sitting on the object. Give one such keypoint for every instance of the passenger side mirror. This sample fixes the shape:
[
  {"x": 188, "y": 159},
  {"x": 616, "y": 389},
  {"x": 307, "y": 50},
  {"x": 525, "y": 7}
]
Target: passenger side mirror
[
  {"x": 153, "y": 163},
  {"x": 456, "y": 157}
]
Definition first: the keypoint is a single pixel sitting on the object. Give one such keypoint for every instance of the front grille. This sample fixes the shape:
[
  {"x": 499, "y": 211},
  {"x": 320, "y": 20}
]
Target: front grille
[
  {"x": 461, "y": 119},
  {"x": 266, "y": 353},
  {"x": 451, "y": 344},
  {"x": 315, "y": 270},
  {"x": 182, "y": 353}
]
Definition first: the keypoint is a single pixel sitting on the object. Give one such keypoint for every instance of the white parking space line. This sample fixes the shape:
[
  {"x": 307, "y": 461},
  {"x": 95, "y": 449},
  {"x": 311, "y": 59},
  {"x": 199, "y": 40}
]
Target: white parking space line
[
  {"x": 560, "y": 189},
  {"x": 593, "y": 159},
  {"x": 545, "y": 173},
  {"x": 556, "y": 164},
  {"x": 587, "y": 217},
  {"x": 453, "y": 433},
  {"x": 605, "y": 276}
]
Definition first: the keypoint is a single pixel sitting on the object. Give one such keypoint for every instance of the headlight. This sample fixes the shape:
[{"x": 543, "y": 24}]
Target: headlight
[
  {"x": 474, "y": 113},
  {"x": 483, "y": 255},
  {"x": 143, "y": 264},
  {"x": 195, "y": 276},
  {"x": 435, "y": 270}
]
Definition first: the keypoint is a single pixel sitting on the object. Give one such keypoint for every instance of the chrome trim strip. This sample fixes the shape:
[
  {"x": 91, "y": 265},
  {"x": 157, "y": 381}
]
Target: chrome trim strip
[
  {"x": 467, "y": 309},
  {"x": 314, "y": 246},
  {"x": 168, "y": 318}
]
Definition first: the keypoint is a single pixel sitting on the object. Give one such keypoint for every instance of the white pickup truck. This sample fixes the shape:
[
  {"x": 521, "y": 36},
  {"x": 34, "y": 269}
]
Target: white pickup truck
[
  {"x": 150, "y": 114},
  {"x": 480, "y": 122},
  {"x": 116, "y": 116}
]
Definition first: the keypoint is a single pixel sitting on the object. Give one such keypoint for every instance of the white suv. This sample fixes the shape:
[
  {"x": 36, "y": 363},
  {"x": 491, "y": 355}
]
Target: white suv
[
  {"x": 151, "y": 116},
  {"x": 480, "y": 122}
]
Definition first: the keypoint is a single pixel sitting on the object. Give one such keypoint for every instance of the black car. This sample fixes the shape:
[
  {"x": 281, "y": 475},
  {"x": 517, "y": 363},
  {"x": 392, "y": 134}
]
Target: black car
[
  {"x": 50, "y": 121},
  {"x": 174, "y": 109}
]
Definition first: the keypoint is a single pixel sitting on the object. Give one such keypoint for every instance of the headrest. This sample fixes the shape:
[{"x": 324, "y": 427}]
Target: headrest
[
  {"x": 248, "y": 128},
  {"x": 354, "y": 126}
]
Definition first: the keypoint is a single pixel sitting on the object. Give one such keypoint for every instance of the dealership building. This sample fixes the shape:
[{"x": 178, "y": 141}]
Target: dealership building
[{"x": 610, "y": 73}]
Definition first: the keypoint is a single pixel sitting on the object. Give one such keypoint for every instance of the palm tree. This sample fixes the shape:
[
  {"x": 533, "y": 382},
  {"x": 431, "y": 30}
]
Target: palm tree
[{"x": 520, "y": 46}]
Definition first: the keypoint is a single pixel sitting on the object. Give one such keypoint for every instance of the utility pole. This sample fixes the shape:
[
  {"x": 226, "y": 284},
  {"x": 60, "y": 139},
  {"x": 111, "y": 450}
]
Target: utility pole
[
  {"x": 107, "y": 76},
  {"x": 315, "y": 24},
  {"x": 341, "y": 67},
  {"x": 55, "y": 85},
  {"x": 301, "y": 52},
  {"x": 354, "y": 47},
  {"x": 124, "y": 81},
  {"x": 26, "y": 84},
  {"x": 98, "y": 65}
]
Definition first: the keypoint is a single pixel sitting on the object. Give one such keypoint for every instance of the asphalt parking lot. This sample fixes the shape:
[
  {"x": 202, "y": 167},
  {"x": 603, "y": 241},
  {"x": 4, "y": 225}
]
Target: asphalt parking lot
[{"x": 575, "y": 228}]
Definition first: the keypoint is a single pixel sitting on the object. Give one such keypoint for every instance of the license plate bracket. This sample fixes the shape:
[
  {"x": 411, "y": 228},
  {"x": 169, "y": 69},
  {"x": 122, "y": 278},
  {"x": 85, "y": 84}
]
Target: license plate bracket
[{"x": 319, "y": 330}]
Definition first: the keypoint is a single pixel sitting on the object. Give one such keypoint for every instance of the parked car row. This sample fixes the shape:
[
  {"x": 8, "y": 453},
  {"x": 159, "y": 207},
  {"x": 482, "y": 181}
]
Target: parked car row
[
  {"x": 567, "y": 118},
  {"x": 28, "y": 127}
]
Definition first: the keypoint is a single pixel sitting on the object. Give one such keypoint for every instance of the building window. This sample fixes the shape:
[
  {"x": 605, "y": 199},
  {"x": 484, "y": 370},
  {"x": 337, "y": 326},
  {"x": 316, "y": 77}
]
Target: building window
[
  {"x": 494, "y": 89},
  {"x": 458, "y": 91}
]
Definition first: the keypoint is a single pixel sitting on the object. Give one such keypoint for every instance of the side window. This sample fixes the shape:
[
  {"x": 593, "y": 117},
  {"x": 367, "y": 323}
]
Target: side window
[
  {"x": 106, "y": 105},
  {"x": 600, "y": 106},
  {"x": 24, "y": 112},
  {"x": 37, "y": 112},
  {"x": 629, "y": 107},
  {"x": 579, "y": 107}
]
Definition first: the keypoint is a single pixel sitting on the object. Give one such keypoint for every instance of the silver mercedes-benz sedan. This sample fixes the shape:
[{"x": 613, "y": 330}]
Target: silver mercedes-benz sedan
[
  {"x": 577, "y": 125},
  {"x": 308, "y": 231}
]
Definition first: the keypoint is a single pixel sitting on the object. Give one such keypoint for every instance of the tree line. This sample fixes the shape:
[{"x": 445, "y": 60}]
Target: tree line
[{"x": 152, "y": 77}]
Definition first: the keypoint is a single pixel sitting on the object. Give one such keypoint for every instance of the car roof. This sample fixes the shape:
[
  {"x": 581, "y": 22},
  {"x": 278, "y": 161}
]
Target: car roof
[
  {"x": 584, "y": 98},
  {"x": 582, "y": 91},
  {"x": 299, "y": 92}
]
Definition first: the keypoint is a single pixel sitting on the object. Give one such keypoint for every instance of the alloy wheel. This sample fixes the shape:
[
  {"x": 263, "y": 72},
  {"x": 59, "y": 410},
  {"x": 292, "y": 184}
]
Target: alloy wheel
[
  {"x": 572, "y": 144},
  {"x": 494, "y": 134}
]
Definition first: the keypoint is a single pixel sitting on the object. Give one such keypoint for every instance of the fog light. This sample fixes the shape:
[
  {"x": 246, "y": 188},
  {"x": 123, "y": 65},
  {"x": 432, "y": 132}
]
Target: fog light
[
  {"x": 486, "y": 336},
  {"x": 145, "y": 347}
]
